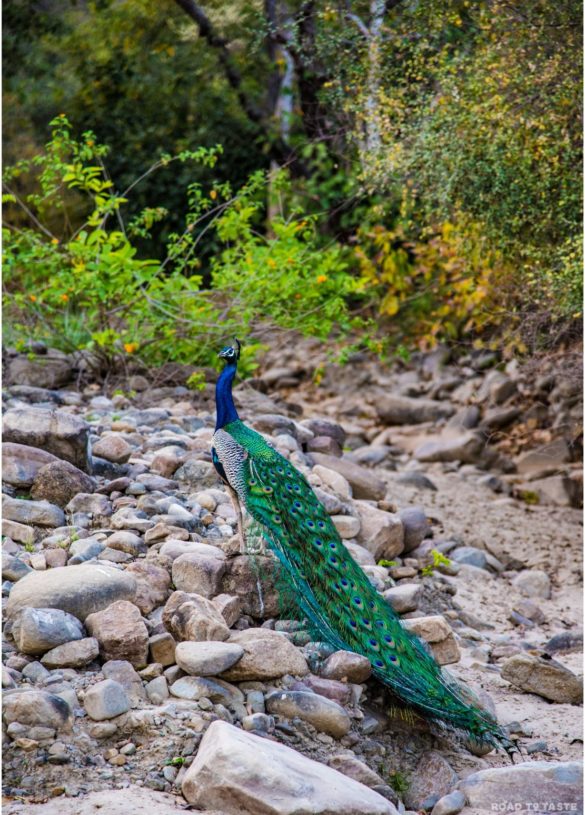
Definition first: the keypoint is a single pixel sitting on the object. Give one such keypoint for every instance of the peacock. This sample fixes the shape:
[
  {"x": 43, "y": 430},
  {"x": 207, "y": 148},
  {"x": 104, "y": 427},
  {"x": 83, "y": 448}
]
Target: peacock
[{"x": 330, "y": 588}]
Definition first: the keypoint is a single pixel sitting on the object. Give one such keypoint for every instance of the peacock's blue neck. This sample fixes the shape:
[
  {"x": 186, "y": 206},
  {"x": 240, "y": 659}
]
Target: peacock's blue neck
[{"x": 224, "y": 402}]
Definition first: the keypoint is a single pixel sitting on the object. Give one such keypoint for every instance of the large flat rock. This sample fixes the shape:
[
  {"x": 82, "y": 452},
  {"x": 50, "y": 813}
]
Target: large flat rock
[
  {"x": 242, "y": 774},
  {"x": 79, "y": 590},
  {"x": 130, "y": 801},
  {"x": 57, "y": 432}
]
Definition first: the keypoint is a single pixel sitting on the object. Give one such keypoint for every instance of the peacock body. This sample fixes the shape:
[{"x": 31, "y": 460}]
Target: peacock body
[{"x": 331, "y": 589}]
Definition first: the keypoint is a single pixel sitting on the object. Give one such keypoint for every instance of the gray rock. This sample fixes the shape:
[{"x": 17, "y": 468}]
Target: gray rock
[
  {"x": 191, "y": 617},
  {"x": 122, "y": 672},
  {"x": 364, "y": 483},
  {"x": 198, "y": 687},
  {"x": 75, "y": 654},
  {"x": 198, "y": 474},
  {"x": 121, "y": 633},
  {"x": 128, "y": 542},
  {"x": 416, "y": 526},
  {"x": 157, "y": 690},
  {"x": 113, "y": 448},
  {"x": 558, "y": 490},
  {"x": 450, "y": 804},
  {"x": 544, "y": 459},
  {"x": 324, "y": 714},
  {"x": 470, "y": 555},
  {"x": 105, "y": 700},
  {"x": 559, "y": 782},
  {"x": 80, "y": 591},
  {"x": 465, "y": 447},
  {"x": 381, "y": 533},
  {"x": 533, "y": 583},
  {"x": 199, "y": 574},
  {"x": 346, "y": 666},
  {"x": 21, "y": 463},
  {"x": 97, "y": 505},
  {"x": 433, "y": 776},
  {"x": 36, "y": 707},
  {"x": 404, "y": 598},
  {"x": 35, "y": 672},
  {"x": 36, "y": 630},
  {"x": 55, "y": 431},
  {"x": 84, "y": 550},
  {"x": 37, "y": 513},
  {"x": 207, "y": 658},
  {"x": 418, "y": 480},
  {"x": 544, "y": 677},
  {"x": 243, "y": 774},
  {"x": 267, "y": 655},
  {"x": 153, "y": 583},
  {"x": 13, "y": 568},
  {"x": 325, "y": 427},
  {"x": 50, "y": 370},
  {"x": 162, "y": 649},
  {"x": 498, "y": 418},
  {"x": 259, "y": 598},
  {"x": 356, "y": 769},
  {"x": 437, "y": 632},
  {"x": 346, "y": 525},
  {"x": 59, "y": 481},
  {"x": 404, "y": 410}
]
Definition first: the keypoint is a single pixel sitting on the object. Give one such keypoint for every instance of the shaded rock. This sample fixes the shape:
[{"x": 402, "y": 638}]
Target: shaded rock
[
  {"x": 325, "y": 427},
  {"x": 267, "y": 655},
  {"x": 546, "y": 458},
  {"x": 80, "y": 591},
  {"x": 13, "y": 568},
  {"x": 533, "y": 583},
  {"x": 50, "y": 370},
  {"x": 198, "y": 474},
  {"x": 20, "y": 533},
  {"x": 436, "y": 631},
  {"x": 356, "y": 769},
  {"x": 329, "y": 688},
  {"x": 418, "y": 480},
  {"x": 253, "y": 580},
  {"x": 229, "y": 606},
  {"x": 121, "y": 633},
  {"x": 38, "y": 513},
  {"x": 112, "y": 448},
  {"x": 191, "y": 617},
  {"x": 381, "y": 533},
  {"x": 55, "y": 431},
  {"x": 243, "y": 774},
  {"x": 84, "y": 550},
  {"x": 207, "y": 658},
  {"x": 59, "y": 482},
  {"x": 200, "y": 574},
  {"x": 105, "y": 700},
  {"x": 36, "y": 708},
  {"x": 364, "y": 483},
  {"x": 347, "y": 667},
  {"x": 405, "y": 410},
  {"x": 36, "y": 630},
  {"x": 324, "y": 714},
  {"x": 560, "y": 782},
  {"x": 21, "y": 463},
  {"x": 543, "y": 676},
  {"x": 564, "y": 643},
  {"x": 465, "y": 447},
  {"x": 162, "y": 649},
  {"x": 416, "y": 526},
  {"x": 325, "y": 445},
  {"x": 497, "y": 418},
  {"x": 450, "y": 804},
  {"x": 157, "y": 690},
  {"x": 96, "y": 505},
  {"x": 125, "y": 541},
  {"x": 153, "y": 584},
  {"x": 122, "y": 672},
  {"x": 404, "y": 598},
  {"x": 75, "y": 654},
  {"x": 433, "y": 776}
]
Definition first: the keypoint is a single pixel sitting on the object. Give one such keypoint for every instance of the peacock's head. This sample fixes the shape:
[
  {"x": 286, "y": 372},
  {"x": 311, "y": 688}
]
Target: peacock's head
[{"x": 231, "y": 353}]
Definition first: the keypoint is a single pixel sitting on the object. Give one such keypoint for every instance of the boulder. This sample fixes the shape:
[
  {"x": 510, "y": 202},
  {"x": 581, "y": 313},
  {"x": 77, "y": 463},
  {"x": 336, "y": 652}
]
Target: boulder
[
  {"x": 433, "y": 778},
  {"x": 346, "y": 666},
  {"x": 324, "y": 714},
  {"x": 153, "y": 584},
  {"x": 121, "y": 633},
  {"x": 405, "y": 410},
  {"x": 544, "y": 677},
  {"x": 364, "y": 483},
  {"x": 253, "y": 580},
  {"x": 436, "y": 631},
  {"x": 36, "y": 630},
  {"x": 207, "y": 658},
  {"x": 381, "y": 533},
  {"x": 50, "y": 370},
  {"x": 74, "y": 654},
  {"x": 113, "y": 448},
  {"x": 199, "y": 574},
  {"x": 559, "y": 783},
  {"x": 21, "y": 463},
  {"x": 464, "y": 447},
  {"x": 79, "y": 590},
  {"x": 36, "y": 513},
  {"x": 192, "y": 617},
  {"x": 240, "y": 773},
  {"x": 544, "y": 459},
  {"x": 105, "y": 700},
  {"x": 55, "y": 431},
  {"x": 267, "y": 655},
  {"x": 37, "y": 707},
  {"x": 60, "y": 481}
]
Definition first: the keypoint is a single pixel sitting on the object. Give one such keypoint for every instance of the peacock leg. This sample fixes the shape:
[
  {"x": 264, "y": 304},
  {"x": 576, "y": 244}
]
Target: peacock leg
[{"x": 240, "y": 519}]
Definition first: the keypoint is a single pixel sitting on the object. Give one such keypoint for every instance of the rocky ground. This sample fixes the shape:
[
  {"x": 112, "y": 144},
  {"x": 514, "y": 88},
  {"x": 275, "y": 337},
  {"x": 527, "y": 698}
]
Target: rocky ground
[{"x": 149, "y": 666}]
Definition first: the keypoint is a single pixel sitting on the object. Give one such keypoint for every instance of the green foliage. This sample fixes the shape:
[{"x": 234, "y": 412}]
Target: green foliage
[
  {"x": 438, "y": 560},
  {"x": 89, "y": 289}
]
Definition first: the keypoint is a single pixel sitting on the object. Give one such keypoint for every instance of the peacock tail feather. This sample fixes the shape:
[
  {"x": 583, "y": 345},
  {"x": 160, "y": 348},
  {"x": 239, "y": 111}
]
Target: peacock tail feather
[{"x": 332, "y": 590}]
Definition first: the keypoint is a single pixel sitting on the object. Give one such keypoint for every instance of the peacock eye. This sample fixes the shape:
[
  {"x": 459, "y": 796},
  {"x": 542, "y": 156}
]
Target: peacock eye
[
  {"x": 333, "y": 546},
  {"x": 298, "y": 504},
  {"x": 378, "y": 663},
  {"x": 310, "y": 524},
  {"x": 321, "y": 525},
  {"x": 318, "y": 542}
]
